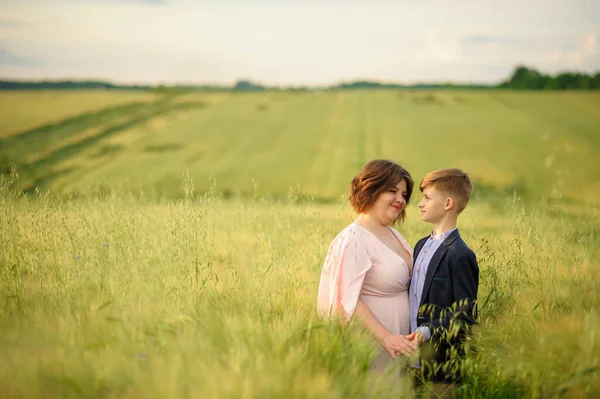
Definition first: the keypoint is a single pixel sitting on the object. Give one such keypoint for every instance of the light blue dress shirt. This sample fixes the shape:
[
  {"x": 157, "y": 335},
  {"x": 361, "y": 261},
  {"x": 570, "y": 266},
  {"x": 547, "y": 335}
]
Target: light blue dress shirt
[{"x": 418, "y": 278}]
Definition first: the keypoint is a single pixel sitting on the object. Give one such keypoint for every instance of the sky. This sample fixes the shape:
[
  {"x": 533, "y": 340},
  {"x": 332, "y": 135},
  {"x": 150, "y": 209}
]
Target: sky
[{"x": 295, "y": 42}]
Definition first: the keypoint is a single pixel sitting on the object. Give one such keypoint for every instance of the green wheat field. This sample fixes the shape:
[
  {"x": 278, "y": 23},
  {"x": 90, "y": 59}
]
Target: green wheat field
[{"x": 169, "y": 245}]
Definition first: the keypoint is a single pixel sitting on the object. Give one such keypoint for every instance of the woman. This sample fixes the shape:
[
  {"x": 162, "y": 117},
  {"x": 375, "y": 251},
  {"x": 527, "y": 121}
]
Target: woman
[{"x": 368, "y": 267}]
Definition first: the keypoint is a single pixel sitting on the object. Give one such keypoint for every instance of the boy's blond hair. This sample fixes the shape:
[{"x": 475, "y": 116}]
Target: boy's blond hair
[{"x": 454, "y": 182}]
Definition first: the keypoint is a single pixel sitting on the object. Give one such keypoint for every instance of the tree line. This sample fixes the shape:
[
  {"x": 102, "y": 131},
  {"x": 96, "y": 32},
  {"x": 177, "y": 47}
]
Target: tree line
[
  {"x": 528, "y": 78},
  {"x": 64, "y": 85},
  {"x": 523, "y": 78}
]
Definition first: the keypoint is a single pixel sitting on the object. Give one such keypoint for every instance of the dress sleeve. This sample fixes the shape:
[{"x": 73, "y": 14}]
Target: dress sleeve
[{"x": 343, "y": 274}]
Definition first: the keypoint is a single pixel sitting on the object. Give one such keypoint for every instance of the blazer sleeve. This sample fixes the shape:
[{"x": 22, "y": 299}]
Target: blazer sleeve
[
  {"x": 342, "y": 275},
  {"x": 463, "y": 312}
]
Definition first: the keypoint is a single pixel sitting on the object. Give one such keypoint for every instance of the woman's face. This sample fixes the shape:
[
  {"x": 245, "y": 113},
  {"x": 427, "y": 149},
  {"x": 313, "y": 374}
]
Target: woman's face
[{"x": 390, "y": 204}]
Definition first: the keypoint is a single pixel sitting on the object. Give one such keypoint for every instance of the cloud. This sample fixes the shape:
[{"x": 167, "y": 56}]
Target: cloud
[
  {"x": 268, "y": 41},
  {"x": 574, "y": 56},
  {"x": 7, "y": 58},
  {"x": 10, "y": 23},
  {"x": 488, "y": 40},
  {"x": 152, "y": 2},
  {"x": 489, "y": 53},
  {"x": 440, "y": 48},
  {"x": 492, "y": 51},
  {"x": 589, "y": 45}
]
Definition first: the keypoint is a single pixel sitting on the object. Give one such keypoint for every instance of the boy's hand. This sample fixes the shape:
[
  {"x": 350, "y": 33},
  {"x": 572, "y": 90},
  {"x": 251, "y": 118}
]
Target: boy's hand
[
  {"x": 414, "y": 340},
  {"x": 423, "y": 334},
  {"x": 397, "y": 345}
]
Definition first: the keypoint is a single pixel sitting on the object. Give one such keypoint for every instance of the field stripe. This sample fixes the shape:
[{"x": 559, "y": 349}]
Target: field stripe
[{"x": 72, "y": 148}]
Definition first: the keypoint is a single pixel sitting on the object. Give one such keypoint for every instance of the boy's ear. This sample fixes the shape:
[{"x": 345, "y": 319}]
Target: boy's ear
[{"x": 448, "y": 204}]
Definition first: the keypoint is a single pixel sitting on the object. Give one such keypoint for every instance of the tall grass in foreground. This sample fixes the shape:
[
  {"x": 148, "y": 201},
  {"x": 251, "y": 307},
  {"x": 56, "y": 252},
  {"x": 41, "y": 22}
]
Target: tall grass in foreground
[{"x": 118, "y": 296}]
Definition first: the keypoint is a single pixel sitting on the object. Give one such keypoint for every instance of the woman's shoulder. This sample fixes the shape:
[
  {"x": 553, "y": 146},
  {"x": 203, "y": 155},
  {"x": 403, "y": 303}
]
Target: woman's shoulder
[
  {"x": 353, "y": 233},
  {"x": 350, "y": 231}
]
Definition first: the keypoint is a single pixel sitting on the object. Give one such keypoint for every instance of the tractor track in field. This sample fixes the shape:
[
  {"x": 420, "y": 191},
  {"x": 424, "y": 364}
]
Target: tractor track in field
[{"x": 42, "y": 171}]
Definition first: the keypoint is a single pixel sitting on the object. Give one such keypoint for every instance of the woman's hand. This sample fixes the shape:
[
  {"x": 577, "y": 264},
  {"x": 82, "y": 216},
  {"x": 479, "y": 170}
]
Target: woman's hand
[{"x": 396, "y": 345}]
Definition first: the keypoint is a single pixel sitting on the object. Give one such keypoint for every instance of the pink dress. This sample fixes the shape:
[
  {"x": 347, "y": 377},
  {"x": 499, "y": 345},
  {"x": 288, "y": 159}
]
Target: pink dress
[{"x": 359, "y": 265}]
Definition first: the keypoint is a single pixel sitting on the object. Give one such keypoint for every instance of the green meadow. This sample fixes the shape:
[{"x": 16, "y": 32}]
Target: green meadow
[{"x": 170, "y": 244}]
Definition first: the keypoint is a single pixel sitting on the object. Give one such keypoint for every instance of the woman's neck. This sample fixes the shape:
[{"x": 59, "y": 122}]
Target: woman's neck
[{"x": 371, "y": 221}]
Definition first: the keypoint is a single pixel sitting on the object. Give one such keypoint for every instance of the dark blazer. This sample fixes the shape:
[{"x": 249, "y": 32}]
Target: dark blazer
[{"x": 448, "y": 306}]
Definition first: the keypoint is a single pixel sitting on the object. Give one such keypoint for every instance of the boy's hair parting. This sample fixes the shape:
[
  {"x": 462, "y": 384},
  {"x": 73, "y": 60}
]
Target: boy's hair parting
[{"x": 453, "y": 181}]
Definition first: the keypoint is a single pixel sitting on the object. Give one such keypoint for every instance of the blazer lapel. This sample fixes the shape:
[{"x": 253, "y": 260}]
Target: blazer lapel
[{"x": 435, "y": 263}]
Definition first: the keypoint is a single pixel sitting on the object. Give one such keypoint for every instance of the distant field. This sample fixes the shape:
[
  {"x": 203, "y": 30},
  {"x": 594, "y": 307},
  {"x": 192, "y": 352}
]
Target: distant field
[
  {"x": 203, "y": 283},
  {"x": 21, "y": 111},
  {"x": 280, "y": 143}
]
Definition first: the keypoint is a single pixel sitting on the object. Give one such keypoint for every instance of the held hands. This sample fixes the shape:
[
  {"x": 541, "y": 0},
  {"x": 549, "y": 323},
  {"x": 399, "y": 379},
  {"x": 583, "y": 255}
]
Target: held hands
[{"x": 397, "y": 345}]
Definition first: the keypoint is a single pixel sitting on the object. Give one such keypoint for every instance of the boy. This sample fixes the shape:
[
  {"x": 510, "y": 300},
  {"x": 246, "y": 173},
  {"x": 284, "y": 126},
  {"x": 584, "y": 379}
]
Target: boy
[{"x": 443, "y": 289}]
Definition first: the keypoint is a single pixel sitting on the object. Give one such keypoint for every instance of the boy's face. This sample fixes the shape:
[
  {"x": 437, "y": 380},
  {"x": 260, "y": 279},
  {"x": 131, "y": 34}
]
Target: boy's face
[{"x": 434, "y": 205}]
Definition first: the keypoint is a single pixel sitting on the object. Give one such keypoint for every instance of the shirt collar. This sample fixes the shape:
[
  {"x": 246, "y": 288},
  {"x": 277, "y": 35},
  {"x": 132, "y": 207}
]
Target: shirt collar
[{"x": 442, "y": 236}]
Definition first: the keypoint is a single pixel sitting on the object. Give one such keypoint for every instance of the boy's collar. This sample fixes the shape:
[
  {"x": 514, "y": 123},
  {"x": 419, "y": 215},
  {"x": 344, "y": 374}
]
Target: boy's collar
[{"x": 443, "y": 235}]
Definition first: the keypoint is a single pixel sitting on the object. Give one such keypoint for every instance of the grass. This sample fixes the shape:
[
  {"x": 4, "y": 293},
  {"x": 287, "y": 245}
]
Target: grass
[
  {"x": 114, "y": 296},
  {"x": 178, "y": 275}
]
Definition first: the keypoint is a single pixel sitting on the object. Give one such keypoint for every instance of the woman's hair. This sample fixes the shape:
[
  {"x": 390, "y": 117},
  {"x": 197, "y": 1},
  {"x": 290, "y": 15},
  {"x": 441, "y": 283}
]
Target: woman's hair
[{"x": 375, "y": 178}]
